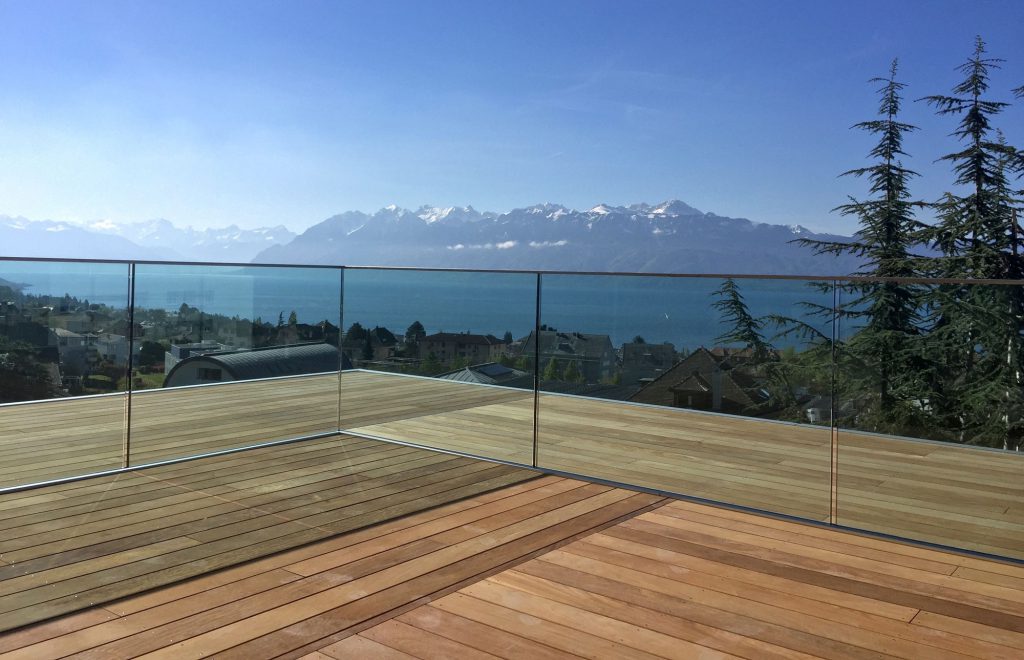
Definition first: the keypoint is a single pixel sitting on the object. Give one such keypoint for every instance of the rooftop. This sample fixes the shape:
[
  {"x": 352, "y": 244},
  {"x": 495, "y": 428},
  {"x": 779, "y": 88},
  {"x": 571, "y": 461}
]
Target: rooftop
[
  {"x": 312, "y": 512},
  {"x": 554, "y": 567}
]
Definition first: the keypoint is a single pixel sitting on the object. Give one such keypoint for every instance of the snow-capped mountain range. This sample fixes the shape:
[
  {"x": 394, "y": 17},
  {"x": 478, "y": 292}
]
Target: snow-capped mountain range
[
  {"x": 671, "y": 237},
  {"x": 230, "y": 243},
  {"x": 150, "y": 239}
]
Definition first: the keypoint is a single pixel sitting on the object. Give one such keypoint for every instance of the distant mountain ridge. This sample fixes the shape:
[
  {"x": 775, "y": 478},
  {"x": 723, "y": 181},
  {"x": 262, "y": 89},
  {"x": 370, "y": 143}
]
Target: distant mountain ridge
[
  {"x": 670, "y": 237},
  {"x": 150, "y": 239},
  {"x": 230, "y": 243}
]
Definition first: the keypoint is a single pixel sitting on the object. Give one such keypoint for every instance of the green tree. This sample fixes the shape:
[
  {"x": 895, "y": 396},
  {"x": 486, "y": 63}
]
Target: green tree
[
  {"x": 572, "y": 373},
  {"x": 22, "y": 376},
  {"x": 639, "y": 340},
  {"x": 293, "y": 319},
  {"x": 151, "y": 353},
  {"x": 743, "y": 328},
  {"x": 975, "y": 332},
  {"x": 431, "y": 366},
  {"x": 552, "y": 371},
  {"x": 415, "y": 333},
  {"x": 879, "y": 361},
  {"x": 356, "y": 332}
]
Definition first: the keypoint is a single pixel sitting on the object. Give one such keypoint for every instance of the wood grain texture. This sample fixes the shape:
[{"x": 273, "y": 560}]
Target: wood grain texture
[
  {"x": 306, "y": 599},
  {"x": 559, "y": 568},
  {"x": 953, "y": 495},
  {"x": 102, "y": 539},
  {"x": 732, "y": 585}
]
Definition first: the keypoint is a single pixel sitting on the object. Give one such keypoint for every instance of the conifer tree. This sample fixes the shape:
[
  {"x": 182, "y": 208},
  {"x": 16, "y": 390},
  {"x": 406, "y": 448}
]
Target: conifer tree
[
  {"x": 877, "y": 361},
  {"x": 552, "y": 371},
  {"x": 976, "y": 330},
  {"x": 572, "y": 373},
  {"x": 974, "y": 231},
  {"x": 748, "y": 330},
  {"x": 743, "y": 328}
]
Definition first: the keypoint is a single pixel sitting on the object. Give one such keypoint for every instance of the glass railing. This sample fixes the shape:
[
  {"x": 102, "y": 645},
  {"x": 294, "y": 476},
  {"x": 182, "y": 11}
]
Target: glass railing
[
  {"x": 452, "y": 336},
  {"x": 643, "y": 382},
  {"x": 212, "y": 340},
  {"x": 895, "y": 407}
]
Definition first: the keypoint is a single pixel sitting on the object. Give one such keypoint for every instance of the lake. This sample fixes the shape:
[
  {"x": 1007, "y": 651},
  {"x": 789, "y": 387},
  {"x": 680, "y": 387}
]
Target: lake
[{"x": 677, "y": 310}]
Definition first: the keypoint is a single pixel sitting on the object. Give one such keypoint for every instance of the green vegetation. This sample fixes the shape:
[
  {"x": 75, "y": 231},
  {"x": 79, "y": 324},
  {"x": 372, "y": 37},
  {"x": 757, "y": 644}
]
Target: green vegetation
[
  {"x": 942, "y": 361},
  {"x": 23, "y": 377}
]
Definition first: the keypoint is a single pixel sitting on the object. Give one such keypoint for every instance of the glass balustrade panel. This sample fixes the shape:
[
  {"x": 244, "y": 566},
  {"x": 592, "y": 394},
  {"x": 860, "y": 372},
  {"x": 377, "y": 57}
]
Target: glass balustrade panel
[
  {"x": 439, "y": 359},
  {"x": 702, "y": 386},
  {"x": 930, "y": 413},
  {"x": 232, "y": 356},
  {"x": 63, "y": 365}
]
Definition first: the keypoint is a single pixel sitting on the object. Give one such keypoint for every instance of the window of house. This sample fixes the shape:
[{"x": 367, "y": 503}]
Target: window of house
[{"x": 208, "y": 374}]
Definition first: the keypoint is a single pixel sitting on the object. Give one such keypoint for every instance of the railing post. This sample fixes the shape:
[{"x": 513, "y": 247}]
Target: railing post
[
  {"x": 341, "y": 330},
  {"x": 126, "y": 448},
  {"x": 536, "y": 370},
  {"x": 833, "y": 491}
]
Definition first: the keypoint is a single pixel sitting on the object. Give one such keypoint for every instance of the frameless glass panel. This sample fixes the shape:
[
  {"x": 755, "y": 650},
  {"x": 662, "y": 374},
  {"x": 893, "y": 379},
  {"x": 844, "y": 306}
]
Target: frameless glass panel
[
  {"x": 63, "y": 365},
  {"x": 707, "y": 387},
  {"x": 440, "y": 359},
  {"x": 232, "y": 356},
  {"x": 930, "y": 410},
  {"x": 175, "y": 521}
]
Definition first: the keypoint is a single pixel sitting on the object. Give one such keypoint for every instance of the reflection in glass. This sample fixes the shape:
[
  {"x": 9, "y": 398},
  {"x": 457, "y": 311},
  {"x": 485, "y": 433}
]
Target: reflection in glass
[
  {"x": 930, "y": 411},
  {"x": 440, "y": 359},
  {"x": 232, "y": 356},
  {"x": 63, "y": 363},
  {"x": 703, "y": 386}
]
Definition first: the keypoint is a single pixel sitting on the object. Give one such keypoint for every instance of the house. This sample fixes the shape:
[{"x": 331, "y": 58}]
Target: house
[
  {"x": 593, "y": 355},
  {"x": 181, "y": 352},
  {"x": 72, "y": 348},
  {"x": 451, "y": 346},
  {"x": 273, "y": 362},
  {"x": 642, "y": 361},
  {"x": 714, "y": 380},
  {"x": 111, "y": 347},
  {"x": 382, "y": 345},
  {"x": 491, "y": 373}
]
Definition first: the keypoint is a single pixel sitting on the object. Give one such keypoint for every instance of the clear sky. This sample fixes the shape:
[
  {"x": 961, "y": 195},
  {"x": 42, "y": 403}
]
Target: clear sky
[{"x": 217, "y": 112}]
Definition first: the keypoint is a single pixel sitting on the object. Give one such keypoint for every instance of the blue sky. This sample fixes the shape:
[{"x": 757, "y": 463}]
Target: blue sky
[{"x": 210, "y": 113}]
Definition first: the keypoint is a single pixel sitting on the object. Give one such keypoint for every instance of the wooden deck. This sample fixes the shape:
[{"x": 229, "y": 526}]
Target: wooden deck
[
  {"x": 952, "y": 495},
  {"x": 558, "y": 568},
  {"x": 66, "y": 546},
  {"x": 958, "y": 496},
  {"x": 68, "y": 437}
]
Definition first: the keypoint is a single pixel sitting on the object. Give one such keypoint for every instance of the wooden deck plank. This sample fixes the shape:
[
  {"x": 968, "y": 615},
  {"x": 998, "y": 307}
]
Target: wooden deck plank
[
  {"x": 391, "y": 554},
  {"x": 109, "y": 537},
  {"x": 538, "y": 572},
  {"x": 946, "y": 494},
  {"x": 657, "y": 583},
  {"x": 954, "y": 495}
]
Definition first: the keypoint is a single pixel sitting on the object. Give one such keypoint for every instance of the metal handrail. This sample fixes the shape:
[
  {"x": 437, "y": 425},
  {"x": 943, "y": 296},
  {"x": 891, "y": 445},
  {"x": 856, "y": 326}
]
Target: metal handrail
[{"x": 513, "y": 271}]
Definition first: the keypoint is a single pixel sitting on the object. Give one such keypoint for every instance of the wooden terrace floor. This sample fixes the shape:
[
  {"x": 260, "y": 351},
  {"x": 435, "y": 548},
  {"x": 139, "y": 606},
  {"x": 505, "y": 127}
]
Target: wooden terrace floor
[
  {"x": 63, "y": 547},
  {"x": 953, "y": 495},
  {"x": 558, "y": 568},
  {"x": 958, "y": 496}
]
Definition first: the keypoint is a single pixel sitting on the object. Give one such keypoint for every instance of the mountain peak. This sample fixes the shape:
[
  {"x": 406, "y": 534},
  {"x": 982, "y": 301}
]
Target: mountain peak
[
  {"x": 674, "y": 207},
  {"x": 604, "y": 209}
]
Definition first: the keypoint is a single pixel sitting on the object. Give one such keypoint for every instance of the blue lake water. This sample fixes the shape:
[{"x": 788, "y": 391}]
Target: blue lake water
[{"x": 678, "y": 310}]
